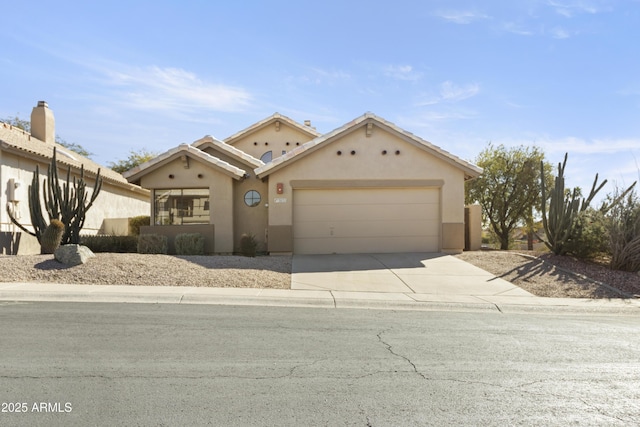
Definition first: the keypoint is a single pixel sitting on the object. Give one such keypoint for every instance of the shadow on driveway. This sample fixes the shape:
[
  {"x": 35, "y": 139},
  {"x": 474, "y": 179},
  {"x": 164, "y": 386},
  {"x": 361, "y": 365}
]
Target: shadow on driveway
[{"x": 362, "y": 262}]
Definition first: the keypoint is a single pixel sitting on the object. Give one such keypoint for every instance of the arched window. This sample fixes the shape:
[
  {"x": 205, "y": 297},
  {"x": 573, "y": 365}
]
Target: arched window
[{"x": 266, "y": 157}]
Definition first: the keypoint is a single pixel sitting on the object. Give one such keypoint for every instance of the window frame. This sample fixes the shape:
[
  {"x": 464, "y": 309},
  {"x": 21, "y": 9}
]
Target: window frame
[
  {"x": 252, "y": 198},
  {"x": 181, "y": 206}
]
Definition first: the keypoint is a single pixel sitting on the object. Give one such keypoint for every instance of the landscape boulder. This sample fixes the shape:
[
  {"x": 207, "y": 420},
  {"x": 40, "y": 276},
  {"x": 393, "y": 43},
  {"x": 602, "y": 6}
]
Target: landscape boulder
[{"x": 73, "y": 254}]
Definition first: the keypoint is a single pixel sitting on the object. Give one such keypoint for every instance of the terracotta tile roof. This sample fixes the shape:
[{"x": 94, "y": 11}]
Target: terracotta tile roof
[
  {"x": 471, "y": 170},
  {"x": 271, "y": 119},
  {"x": 133, "y": 175},
  {"x": 208, "y": 140},
  {"x": 21, "y": 142}
]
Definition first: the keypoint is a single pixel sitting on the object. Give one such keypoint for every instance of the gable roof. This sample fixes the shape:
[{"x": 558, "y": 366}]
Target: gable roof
[
  {"x": 470, "y": 170},
  {"x": 216, "y": 144},
  {"x": 269, "y": 120},
  {"x": 134, "y": 174},
  {"x": 22, "y": 143}
]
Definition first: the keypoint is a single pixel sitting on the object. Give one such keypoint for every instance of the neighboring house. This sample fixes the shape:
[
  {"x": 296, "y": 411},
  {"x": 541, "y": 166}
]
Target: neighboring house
[
  {"x": 365, "y": 187},
  {"x": 20, "y": 152}
]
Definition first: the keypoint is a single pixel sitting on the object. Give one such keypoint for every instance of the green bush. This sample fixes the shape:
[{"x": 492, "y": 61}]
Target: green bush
[
  {"x": 115, "y": 244},
  {"x": 136, "y": 222},
  {"x": 189, "y": 244},
  {"x": 624, "y": 234},
  {"x": 248, "y": 245},
  {"x": 590, "y": 237},
  {"x": 152, "y": 244}
]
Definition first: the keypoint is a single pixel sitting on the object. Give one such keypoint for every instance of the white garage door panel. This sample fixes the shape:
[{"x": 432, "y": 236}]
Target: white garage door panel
[
  {"x": 391, "y": 196},
  {"x": 365, "y": 228},
  {"x": 364, "y": 245},
  {"x": 366, "y": 220},
  {"x": 373, "y": 212}
]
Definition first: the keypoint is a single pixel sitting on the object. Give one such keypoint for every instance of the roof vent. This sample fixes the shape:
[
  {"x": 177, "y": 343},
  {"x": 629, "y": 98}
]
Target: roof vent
[{"x": 307, "y": 123}]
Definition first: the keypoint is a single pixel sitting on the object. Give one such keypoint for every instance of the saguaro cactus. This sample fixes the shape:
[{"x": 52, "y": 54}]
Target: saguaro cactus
[
  {"x": 564, "y": 206},
  {"x": 68, "y": 202}
]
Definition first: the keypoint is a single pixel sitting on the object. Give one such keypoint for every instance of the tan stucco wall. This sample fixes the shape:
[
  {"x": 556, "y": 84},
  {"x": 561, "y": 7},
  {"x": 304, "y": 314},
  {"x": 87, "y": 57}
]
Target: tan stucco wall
[
  {"x": 473, "y": 228},
  {"x": 368, "y": 163},
  {"x": 270, "y": 139},
  {"x": 220, "y": 187},
  {"x": 249, "y": 220},
  {"x": 112, "y": 202}
]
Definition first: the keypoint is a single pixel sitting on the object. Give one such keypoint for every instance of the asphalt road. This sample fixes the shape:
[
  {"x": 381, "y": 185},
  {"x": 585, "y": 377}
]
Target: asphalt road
[{"x": 143, "y": 364}]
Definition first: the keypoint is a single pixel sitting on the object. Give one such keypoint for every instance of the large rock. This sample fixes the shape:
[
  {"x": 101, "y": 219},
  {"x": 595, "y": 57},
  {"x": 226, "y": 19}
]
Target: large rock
[{"x": 73, "y": 254}]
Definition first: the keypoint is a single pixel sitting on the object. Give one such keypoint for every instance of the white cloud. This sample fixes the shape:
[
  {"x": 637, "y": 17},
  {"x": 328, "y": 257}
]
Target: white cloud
[
  {"x": 460, "y": 16},
  {"x": 575, "y": 145},
  {"x": 570, "y": 8},
  {"x": 155, "y": 88},
  {"x": 402, "y": 72},
  {"x": 320, "y": 76},
  {"x": 514, "y": 28},
  {"x": 450, "y": 92},
  {"x": 560, "y": 33},
  {"x": 427, "y": 118}
]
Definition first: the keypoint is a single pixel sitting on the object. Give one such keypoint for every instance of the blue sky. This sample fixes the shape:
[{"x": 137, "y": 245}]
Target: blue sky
[{"x": 563, "y": 75}]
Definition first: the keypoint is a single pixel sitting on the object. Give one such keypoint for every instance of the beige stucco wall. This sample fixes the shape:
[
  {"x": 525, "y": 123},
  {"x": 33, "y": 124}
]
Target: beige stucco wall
[
  {"x": 368, "y": 163},
  {"x": 268, "y": 138},
  {"x": 249, "y": 220},
  {"x": 200, "y": 175},
  {"x": 473, "y": 228},
  {"x": 112, "y": 202}
]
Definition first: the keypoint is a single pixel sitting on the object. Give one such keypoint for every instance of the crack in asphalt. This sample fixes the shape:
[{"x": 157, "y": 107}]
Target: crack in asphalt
[
  {"x": 518, "y": 388},
  {"x": 406, "y": 359}
]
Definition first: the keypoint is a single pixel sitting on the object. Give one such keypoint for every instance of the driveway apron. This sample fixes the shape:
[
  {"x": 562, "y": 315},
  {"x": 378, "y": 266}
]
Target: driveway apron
[{"x": 419, "y": 273}]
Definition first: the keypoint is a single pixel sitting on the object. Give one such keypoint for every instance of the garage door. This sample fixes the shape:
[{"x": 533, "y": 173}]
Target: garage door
[{"x": 366, "y": 220}]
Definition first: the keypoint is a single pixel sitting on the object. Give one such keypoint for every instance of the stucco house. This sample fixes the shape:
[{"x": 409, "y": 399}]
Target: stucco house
[
  {"x": 21, "y": 151},
  {"x": 366, "y": 187}
]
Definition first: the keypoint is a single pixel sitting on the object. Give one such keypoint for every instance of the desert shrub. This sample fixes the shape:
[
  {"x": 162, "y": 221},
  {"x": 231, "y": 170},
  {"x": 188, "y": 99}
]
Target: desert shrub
[
  {"x": 136, "y": 222},
  {"x": 590, "y": 235},
  {"x": 51, "y": 237},
  {"x": 624, "y": 234},
  {"x": 248, "y": 245},
  {"x": 189, "y": 244},
  {"x": 152, "y": 244},
  {"x": 115, "y": 244}
]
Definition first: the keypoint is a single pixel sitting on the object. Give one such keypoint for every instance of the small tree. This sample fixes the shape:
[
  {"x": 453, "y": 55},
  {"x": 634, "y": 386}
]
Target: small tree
[
  {"x": 68, "y": 202},
  {"x": 135, "y": 158},
  {"x": 508, "y": 188}
]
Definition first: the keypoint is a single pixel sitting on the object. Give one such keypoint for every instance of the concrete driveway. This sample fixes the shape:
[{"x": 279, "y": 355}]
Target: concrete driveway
[{"x": 417, "y": 273}]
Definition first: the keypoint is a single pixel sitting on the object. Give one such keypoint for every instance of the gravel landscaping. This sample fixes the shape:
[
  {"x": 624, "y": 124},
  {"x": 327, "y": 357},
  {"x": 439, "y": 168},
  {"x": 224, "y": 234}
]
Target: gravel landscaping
[
  {"x": 548, "y": 275},
  {"x": 153, "y": 270},
  {"x": 543, "y": 275}
]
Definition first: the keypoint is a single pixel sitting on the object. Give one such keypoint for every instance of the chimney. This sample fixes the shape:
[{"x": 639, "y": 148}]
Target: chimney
[{"x": 43, "y": 126}]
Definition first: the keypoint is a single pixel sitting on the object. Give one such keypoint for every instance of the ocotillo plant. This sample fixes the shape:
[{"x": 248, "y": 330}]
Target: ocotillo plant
[
  {"x": 68, "y": 202},
  {"x": 564, "y": 206}
]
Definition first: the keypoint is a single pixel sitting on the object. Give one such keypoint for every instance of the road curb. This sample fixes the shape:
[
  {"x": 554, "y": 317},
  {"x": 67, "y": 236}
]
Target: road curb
[{"x": 314, "y": 299}]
